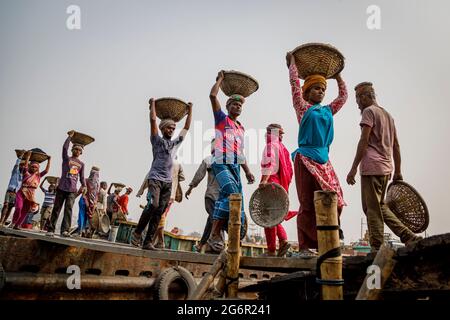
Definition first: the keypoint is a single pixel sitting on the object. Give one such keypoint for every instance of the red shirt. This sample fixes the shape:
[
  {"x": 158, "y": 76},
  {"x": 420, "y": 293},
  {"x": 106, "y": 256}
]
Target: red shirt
[
  {"x": 229, "y": 143},
  {"x": 123, "y": 203}
]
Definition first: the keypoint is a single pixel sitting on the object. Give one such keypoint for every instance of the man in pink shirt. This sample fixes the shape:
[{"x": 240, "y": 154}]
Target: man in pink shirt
[{"x": 376, "y": 148}]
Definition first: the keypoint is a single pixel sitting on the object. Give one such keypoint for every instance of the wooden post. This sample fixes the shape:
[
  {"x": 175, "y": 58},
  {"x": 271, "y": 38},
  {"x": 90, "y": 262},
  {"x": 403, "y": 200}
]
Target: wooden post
[
  {"x": 325, "y": 203},
  {"x": 209, "y": 277},
  {"x": 385, "y": 263},
  {"x": 234, "y": 247}
]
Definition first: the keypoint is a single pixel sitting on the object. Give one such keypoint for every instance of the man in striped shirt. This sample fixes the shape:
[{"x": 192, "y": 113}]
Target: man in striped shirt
[{"x": 47, "y": 206}]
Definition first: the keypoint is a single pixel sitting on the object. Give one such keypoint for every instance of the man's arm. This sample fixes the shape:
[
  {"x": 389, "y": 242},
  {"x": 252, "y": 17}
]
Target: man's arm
[
  {"x": 187, "y": 124},
  {"x": 153, "y": 125},
  {"x": 83, "y": 182},
  {"x": 42, "y": 185},
  {"x": 249, "y": 175},
  {"x": 360, "y": 151},
  {"x": 214, "y": 91},
  {"x": 198, "y": 177},
  {"x": 65, "y": 152},
  {"x": 397, "y": 159}
]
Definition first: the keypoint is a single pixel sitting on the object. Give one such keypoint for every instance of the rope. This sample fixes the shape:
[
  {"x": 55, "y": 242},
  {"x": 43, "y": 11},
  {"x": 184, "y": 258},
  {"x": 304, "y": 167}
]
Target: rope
[
  {"x": 327, "y": 228},
  {"x": 333, "y": 253}
]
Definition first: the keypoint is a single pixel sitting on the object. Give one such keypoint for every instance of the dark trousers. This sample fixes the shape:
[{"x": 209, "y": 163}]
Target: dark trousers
[
  {"x": 209, "y": 206},
  {"x": 68, "y": 199},
  {"x": 158, "y": 199},
  {"x": 373, "y": 192}
]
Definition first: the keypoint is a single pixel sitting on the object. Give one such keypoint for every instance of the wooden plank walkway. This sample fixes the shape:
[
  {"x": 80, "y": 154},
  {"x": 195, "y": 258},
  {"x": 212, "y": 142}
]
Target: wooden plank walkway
[{"x": 254, "y": 263}]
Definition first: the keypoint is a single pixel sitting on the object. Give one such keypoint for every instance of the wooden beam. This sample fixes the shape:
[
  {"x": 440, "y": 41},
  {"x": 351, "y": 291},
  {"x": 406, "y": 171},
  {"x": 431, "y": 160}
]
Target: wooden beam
[
  {"x": 209, "y": 277},
  {"x": 384, "y": 263},
  {"x": 325, "y": 203},
  {"x": 234, "y": 247}
]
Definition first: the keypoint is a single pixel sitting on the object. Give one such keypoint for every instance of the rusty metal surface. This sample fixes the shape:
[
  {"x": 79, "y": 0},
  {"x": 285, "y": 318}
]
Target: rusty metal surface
[{"x": 58, "y": 282}]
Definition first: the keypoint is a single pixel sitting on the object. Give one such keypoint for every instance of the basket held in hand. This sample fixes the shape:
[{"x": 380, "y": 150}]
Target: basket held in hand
[
  {"x": 269, "y": 205},
  {"x": 407, "y": 204}
]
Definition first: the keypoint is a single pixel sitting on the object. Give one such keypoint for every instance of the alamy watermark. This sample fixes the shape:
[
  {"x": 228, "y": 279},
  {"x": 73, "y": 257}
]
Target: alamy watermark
[
  {"x": 73, "y": 21},
  {"x": 74, "y": 280},
  {"x": 374, "y": 279},
  {"x": 374, "y": 19}
]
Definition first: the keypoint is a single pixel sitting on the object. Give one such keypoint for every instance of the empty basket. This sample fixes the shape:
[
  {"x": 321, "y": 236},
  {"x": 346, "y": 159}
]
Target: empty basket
[
  {"x": 407, "y": 204},
  {"x": 269, "y": 205}
]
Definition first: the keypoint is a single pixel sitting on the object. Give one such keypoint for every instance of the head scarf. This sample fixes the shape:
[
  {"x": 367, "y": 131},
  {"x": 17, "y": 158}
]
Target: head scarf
[
  {"x": 235, "y": 97},
  {"x": 35, "y": 165},
  {"x": 274, "y": 128},
  {"x": 165, "y": 123},
  {"x": 313, "y": 79}
]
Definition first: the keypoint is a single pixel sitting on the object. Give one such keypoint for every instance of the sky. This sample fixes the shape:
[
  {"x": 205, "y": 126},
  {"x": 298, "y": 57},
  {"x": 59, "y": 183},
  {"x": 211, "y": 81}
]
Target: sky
[{"x": 98, "y": 80}]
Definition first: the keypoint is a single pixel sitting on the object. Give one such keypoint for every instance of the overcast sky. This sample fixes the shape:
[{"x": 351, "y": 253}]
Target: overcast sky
[{"x": 98, "y": 80}]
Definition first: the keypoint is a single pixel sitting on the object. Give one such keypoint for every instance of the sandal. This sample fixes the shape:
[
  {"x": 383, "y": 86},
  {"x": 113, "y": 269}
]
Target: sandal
[
  {"x": 283, "y": 249},
  {"x": 214, "y": 246}
]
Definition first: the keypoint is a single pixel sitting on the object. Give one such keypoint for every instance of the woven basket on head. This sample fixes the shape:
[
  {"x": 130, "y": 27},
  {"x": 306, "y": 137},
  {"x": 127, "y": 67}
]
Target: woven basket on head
[
  {"x": 20, "y": 152},
  {"x": 235, "y": 82},
  {"x": 407, "y": 204},
  {"x": 171, "y": 108},
  {"x": 118, "y": 185},
  {"x": 81, "y": 138},
  {"x": 38, "y": 155},
  {"x": 269, "y": 205},
  {"x": 318, "y": 58},
  {"x": 52, "y": 180}
]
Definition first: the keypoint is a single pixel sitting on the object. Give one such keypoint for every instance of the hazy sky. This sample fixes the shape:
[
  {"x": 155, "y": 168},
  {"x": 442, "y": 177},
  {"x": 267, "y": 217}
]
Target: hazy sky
[{"x": 98, "y": 80}]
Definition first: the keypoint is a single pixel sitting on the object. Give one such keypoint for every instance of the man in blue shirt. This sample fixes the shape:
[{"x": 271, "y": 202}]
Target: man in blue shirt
[
  {"x": 14, "y": 185},
  {"x": 160, "y": 176}
]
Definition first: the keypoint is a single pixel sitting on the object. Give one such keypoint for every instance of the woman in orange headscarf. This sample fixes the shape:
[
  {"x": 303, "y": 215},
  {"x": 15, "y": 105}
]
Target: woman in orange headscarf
[{"x": 312, "y": 167}]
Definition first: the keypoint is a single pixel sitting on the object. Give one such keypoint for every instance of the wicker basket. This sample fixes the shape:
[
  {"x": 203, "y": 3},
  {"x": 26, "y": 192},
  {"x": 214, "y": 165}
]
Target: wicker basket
[
  {"x": 235, "y": 82},
  {"x": 52, "y": 180},
  {"x": 38, "y": 155},
  {"x": 104, "y": 224},
  {"x": 318, "y": 58},
  {"x": 269, "y": 205},
  {"x": 81, "y": 138},
  {"x": 171, "y": 108},
  {"x": 20, "y": 153},
  {"x": 118, "y": 185},
  {"x": 407, "y": 204}
]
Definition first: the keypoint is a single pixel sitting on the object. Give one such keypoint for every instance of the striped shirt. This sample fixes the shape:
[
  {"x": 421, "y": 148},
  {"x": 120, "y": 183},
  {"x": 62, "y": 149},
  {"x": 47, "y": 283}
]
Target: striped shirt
[{"x": 49, "y": 199}]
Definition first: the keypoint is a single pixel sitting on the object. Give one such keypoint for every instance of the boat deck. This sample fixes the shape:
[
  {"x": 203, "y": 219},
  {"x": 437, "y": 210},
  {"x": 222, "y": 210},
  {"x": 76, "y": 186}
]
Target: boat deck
[{"x": 272, "y": 264}]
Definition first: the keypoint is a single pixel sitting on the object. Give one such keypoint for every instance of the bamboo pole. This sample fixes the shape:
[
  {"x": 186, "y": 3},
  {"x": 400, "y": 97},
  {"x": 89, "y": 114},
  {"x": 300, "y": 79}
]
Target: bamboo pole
[
  {"x": 325, "y": 203},
  {"x": 209, "y": 277},
  {"x": 378, "y": 277},
  {"x": 234, "y": 248}
]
